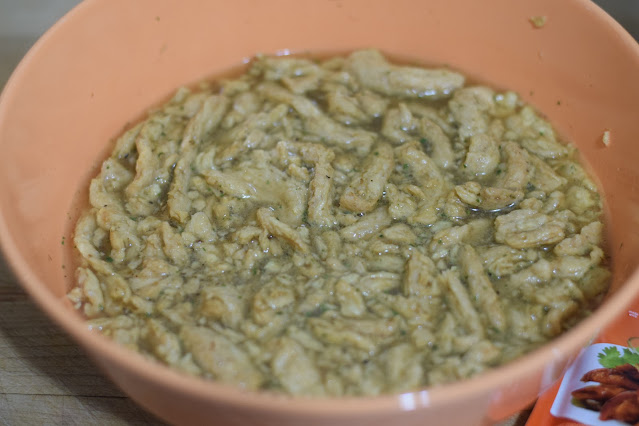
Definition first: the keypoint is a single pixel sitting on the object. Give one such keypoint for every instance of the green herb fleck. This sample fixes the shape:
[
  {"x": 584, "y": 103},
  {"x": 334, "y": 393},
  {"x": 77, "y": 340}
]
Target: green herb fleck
[
  {"x": 305, "y": 216},
  {"x": 254, "y": 271},
  {"x": 538, "y": 21},
  {"x": 405, "y": 166},
  {"x": 376, "y": 153},
  {"x": 423, "y": 141},
  {"x": 109, "y": 259}
]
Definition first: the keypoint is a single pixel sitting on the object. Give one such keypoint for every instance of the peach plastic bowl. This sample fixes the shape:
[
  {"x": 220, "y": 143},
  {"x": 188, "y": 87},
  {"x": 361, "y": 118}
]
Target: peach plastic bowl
[{"x": 104, "y": 63}]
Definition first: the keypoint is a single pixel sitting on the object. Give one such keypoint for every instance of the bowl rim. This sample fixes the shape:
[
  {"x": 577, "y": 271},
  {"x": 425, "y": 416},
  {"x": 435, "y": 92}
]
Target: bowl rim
[{"x": 227, "y": 394}]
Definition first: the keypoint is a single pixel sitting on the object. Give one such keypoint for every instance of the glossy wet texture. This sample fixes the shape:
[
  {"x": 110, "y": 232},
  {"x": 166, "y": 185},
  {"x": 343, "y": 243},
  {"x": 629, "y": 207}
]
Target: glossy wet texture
[{"x": 102, "y": 65}]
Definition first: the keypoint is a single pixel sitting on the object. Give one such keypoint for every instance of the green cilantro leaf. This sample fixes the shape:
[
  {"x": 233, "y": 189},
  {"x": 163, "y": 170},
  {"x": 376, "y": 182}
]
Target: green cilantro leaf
[
  {"x": 610, "y": 357},
  {"x": 631, "y": 357}
]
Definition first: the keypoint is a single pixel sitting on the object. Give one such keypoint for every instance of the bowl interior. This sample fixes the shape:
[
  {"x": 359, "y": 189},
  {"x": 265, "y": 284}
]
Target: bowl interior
[{"x": 106, "y": 62}]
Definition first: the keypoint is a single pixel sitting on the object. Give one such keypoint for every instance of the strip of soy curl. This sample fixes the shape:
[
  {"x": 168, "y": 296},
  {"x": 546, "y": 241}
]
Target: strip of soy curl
[{"x": 618, "y": 333}]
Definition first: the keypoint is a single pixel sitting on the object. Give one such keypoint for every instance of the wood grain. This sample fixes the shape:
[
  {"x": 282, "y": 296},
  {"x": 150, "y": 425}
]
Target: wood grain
[{"x": 45, "y": 378}]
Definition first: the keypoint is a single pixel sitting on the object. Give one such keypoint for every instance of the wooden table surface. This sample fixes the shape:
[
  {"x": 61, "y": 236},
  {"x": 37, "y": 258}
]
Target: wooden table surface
[{"x": 45, "y": 378}]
